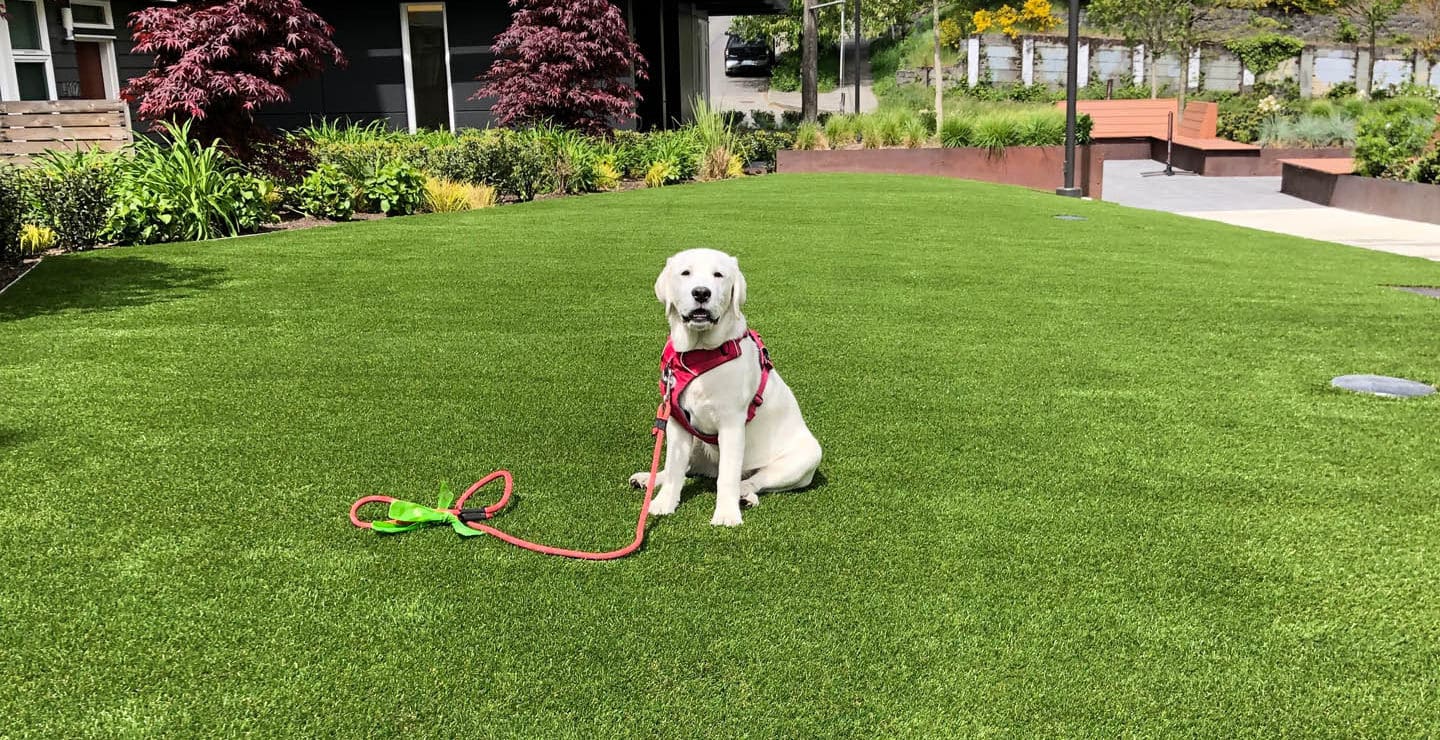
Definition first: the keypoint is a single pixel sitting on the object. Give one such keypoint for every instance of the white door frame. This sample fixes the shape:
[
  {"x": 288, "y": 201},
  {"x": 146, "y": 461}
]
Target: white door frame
[
  {"x": 109, "y": 69},
  {"x": 409, "y": 68}
]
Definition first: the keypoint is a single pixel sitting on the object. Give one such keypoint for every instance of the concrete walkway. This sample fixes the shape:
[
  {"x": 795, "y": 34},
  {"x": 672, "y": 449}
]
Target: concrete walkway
[{"x": 1256, "y": 202}]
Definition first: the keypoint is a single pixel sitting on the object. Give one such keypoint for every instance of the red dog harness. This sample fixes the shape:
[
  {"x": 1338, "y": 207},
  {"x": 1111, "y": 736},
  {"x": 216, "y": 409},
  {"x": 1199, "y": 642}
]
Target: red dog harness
[{"x": 679, "y": 369}]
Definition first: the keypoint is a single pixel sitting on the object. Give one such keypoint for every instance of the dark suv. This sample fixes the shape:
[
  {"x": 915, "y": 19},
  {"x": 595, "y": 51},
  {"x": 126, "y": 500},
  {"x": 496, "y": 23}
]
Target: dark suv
[{"x": 748, "y": 57}]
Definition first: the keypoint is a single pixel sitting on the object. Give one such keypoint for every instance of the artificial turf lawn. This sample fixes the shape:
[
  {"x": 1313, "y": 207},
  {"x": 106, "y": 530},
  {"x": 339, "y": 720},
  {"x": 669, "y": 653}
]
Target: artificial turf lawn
[{"x": 1080, "y": 477}]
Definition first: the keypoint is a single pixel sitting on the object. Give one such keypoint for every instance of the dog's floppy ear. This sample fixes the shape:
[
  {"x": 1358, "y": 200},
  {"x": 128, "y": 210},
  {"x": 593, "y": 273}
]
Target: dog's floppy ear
[
  {"x": 737, "y": 293},
  {"x": 662, "y": 285}
]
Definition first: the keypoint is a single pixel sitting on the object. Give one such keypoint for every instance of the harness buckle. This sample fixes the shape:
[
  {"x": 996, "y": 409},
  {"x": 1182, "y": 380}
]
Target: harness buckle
[{"x": 473, "y": 515}]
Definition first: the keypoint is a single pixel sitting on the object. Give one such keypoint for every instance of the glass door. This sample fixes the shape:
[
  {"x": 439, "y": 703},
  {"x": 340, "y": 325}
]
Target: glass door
[{"x": 427, "y": 66}]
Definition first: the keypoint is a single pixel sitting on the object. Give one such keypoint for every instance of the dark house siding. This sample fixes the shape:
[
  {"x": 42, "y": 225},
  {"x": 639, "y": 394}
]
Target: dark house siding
[{"x": 372, "y": 86}]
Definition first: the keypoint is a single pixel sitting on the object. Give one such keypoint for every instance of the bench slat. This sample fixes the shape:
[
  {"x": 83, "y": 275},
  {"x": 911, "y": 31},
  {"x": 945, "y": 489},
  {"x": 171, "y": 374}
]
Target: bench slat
[
  {"x": 27, "y": 120},
  {"x": 72, "y": 133}
]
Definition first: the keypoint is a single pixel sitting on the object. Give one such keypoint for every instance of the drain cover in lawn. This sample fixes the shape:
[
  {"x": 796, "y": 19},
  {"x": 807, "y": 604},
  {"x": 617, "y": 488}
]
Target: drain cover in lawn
[
  {"x": 1425, "y": 290},
  {"x": 1381, "y": 385}
]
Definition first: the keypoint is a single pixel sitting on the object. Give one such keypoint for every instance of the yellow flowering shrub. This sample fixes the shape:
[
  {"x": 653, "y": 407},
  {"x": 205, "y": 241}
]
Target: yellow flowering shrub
[{"x": 1034, "y": 15}]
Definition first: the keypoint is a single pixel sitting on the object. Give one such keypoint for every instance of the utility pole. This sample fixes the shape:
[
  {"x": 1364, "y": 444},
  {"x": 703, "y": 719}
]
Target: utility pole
[
  {"x": 856, "y": 44},
  {"x": 809, "y": 61}
]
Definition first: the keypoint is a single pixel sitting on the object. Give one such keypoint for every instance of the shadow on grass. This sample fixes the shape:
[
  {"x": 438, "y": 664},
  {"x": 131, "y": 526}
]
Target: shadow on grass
[
  {"x": 700, "y": 485},
  {"x": 91, "y": 284}
]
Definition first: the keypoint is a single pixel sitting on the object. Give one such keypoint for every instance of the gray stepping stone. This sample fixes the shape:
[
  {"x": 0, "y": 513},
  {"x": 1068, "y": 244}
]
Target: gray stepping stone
[{"x": 1381, "y": 385}]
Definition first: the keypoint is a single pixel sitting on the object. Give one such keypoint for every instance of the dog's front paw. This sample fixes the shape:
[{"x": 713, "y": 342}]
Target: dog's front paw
[
  {"x": 664, "y": 504},
  {"x": 749, "y": 497},
  {"x": 640, "y": 480},
  {"x": 724, "y": 518}
]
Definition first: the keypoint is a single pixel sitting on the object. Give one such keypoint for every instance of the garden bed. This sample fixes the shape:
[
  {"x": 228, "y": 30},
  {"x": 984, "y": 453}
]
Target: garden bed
[
  {"x": 1039, "y": 167},
  {"x": 1327, "y": 184}
]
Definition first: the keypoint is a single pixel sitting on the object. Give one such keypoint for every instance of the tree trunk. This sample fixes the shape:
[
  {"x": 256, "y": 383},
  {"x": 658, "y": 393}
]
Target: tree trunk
[
  {"x": 1184, "y": 75},
  {"x": 1154, "y": 73},
  {"x": 939, "y": 69},
  {"x": 809, "y": 60},
  {"x": 1370, "y": 64}
]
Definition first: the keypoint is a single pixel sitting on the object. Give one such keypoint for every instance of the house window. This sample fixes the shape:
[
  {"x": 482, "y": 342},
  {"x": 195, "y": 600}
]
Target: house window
[
  {"x": 92, "y": 14},
  {"x": 426, "y": 48},
  {"x": 26, "y": 71}
]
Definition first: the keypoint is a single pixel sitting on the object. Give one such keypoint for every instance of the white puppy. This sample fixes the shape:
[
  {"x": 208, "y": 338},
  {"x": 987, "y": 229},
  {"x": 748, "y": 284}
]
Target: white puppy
[{"x": 703, "y": 290}]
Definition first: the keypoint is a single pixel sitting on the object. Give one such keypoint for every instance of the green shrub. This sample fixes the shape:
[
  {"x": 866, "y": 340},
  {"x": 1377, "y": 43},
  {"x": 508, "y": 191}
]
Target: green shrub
[
  {"x": 72, "y": 193},
  {"x": 525, "y": 166},
  {"x": 999, "y": 130},
  {"x": 957, "y": 131},
  {"x": 1341, "y": 91},
  {"x": 1387, "y": 144},
  {"x": 326, "y": 193},
  {"x": 1308, "y": 131},
  {"x": 1043, "y": 128},
  {"x": 175, "y": 189},
  {"x": 761, "y": 146},
  {"x": 573, "y": 158},
  {"x": 680, "y": 148},
  {"x": 12, "y": 209},
  {"x": 809, "y": 136},
  {"x": 396, "y": 189},
  {"x": 473, "y": 158},
  {"x": 789, "y": 119},
  {"x": 1084, "y": 128},
  {"x": 763, "y": 119},
  {"x": 631, "y": 153},
  {"x": 734, "y": 118},
  {"x": 841, "y": 130},
  {"x": 1426, "y": 167}
]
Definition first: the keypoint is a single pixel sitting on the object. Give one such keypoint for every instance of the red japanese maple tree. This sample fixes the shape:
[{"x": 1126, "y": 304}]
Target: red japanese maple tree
[
  {"x": 218, "y": 61},
  {"x": 565, "y": 61}
]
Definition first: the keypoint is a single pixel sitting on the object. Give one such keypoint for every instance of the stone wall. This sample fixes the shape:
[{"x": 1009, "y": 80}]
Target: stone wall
[{"x": 1041, "y": 59}]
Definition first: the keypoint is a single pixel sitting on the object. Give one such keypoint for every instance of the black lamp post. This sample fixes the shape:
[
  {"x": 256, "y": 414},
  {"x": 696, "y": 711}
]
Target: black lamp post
[{"x": 1072, "y": 77}]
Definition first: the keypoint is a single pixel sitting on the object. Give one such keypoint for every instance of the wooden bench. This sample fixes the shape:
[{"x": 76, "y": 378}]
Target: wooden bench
[
  {"x": 27, "y": 129},
  {"x": 1140, "y": 119}
]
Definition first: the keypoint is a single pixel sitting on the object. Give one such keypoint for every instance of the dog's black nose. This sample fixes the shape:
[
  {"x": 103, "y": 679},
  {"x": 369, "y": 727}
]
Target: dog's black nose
[{"x": 701, "y": 294}]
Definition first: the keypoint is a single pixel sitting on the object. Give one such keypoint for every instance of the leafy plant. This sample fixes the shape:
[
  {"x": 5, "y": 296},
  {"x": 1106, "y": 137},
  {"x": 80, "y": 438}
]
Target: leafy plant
[
  {"x": 573, "y": 158},
  {"x": 715, "y": 139},
  {"x": 1263, "y": 52},
  {"x": 1426, "y": 167},
  {"x": 71, "y": 192},
  {"x": 327, "y": 193},
  {"x": 174, "y": 189},
  {"x": 840, "y": 130},
  {"x": 1341, "y": 90},
  {"x": 218, "y": 61},
  {"x": 396, "y": 189},
  {"x": 568, "y": 62},
  {"x": 607, "y": 175},
  {"x": 789, "y": 119},
  {"x": 35, "y": 239},
  {"x": 1387, "y": 144},
  {"x": 446, "y": 196},
  {"x": 957, "y": 131},
  {"x": 763, "y": 119},
  {"x": 660, "y": 173},
  {"x": 809, "y": 136},
  {"x": 12, "y": 209}
]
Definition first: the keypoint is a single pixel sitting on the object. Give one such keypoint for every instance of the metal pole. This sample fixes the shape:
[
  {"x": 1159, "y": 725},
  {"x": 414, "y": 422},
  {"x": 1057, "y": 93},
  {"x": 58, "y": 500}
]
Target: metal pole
[
  {"x": 1072, "y": 76},
  {"x": 841, "y": 56},
  {"x": 857, "y": 54}
]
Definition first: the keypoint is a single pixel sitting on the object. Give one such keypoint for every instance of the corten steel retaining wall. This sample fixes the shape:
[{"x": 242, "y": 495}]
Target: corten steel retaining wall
[
  {"x": 1039, "y": 167},
  {"x": 1412, "y": 201},
  {"x": 1240, "y": 162}
]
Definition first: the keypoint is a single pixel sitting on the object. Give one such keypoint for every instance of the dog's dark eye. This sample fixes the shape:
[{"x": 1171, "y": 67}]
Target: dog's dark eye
[
  {"x": 685, "y": 273},
  {"x": 719, "y": 275}
]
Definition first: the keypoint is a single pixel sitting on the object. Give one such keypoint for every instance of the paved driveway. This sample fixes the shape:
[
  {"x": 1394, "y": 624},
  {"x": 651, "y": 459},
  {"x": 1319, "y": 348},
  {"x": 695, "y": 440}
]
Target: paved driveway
[{"x": 1257, "y": 202}]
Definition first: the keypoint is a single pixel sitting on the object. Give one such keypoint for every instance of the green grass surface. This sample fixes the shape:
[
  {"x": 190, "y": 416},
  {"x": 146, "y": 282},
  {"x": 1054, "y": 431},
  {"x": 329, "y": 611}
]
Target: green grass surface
[{"x": 1080, "y": 478}]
